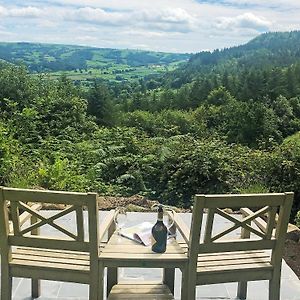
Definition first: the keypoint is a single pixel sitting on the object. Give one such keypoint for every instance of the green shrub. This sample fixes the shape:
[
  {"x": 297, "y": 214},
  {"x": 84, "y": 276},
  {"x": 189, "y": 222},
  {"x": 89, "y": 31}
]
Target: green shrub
[{"x": 297, "y": 219}]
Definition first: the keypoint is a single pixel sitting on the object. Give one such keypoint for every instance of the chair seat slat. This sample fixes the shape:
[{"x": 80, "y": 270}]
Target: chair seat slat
[{"x": 140, "y": 291}]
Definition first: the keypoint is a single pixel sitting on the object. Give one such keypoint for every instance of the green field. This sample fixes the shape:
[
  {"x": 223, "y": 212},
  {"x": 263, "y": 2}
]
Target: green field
[{"x": 86, "y": 63}]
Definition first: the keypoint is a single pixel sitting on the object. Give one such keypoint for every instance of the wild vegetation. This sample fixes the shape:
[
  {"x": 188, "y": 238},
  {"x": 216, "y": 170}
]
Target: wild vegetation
[{"x": 225, "y": 124}]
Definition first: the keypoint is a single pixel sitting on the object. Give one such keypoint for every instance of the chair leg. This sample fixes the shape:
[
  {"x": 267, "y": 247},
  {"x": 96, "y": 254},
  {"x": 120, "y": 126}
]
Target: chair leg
[
  {"x": 112, "y": 278},
  {"x": 6, "y": 287},
  {"x": 274, "y": 288},
  {"x": 35, "y": 288},
  {"x": 184, "y": 285},
  {"x": 94, "y": 290},
  {"x": 190, "y": 285},
  {"x": 169, "y": 278},
  {"x": 242, "y": 290},
  {"x": 100, "y": 282}
]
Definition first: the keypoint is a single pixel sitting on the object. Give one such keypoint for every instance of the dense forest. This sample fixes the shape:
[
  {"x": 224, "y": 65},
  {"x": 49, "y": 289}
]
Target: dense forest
[{"x": 227, "y": 121}]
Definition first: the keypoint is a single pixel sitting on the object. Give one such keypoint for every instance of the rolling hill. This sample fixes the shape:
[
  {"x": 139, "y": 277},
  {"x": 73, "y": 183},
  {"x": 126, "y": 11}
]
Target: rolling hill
[
  {"x": 84, "y": 63},
  {"x": 266, "y": 51}
]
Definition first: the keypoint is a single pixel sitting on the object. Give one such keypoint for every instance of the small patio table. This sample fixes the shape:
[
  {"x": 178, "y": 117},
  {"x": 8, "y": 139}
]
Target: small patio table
[{"x": 123, "y": 252}]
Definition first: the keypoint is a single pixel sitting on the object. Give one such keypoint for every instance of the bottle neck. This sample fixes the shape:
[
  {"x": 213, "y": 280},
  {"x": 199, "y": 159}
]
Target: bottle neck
[{"x": 160, "y": 216}]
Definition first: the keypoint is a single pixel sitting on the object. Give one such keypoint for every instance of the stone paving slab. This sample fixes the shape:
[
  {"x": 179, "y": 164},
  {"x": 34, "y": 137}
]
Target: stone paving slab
[{"x": 258, "y": 290}]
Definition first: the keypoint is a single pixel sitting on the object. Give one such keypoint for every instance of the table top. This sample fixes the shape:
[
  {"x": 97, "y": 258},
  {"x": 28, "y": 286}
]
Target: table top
[{"x": 121, "y": 251}]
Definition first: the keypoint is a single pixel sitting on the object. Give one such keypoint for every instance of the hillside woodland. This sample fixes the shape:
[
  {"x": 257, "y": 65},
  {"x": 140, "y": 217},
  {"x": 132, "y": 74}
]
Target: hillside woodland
[{"x": 226, "y": 121}]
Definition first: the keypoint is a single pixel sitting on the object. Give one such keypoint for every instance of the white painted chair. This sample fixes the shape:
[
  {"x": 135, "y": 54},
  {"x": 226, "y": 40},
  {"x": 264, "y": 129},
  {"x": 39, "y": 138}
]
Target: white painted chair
[{"x": 213, "y": 259}]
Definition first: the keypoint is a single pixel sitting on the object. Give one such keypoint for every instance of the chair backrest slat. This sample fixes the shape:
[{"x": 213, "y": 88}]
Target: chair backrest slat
[
  {"x": 46, "y": 196},
  {"x": 209, "y": 225},
  {"x": 243, "y": 200},
  {"x": 271, "y": 222},
  {"x": 264, "y": 204},
  {"x": 14, "y": 210},
  {"x": 79, "y": 222},
  {"x": 74, "y": 203}
]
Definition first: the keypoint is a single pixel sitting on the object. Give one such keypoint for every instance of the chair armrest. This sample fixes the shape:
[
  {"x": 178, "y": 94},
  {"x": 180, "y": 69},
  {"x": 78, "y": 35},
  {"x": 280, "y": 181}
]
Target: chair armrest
[
  {"x": 105, "y": 225},
  {"x": 259, "y": 222},
  {"x": 181, "y": 226}
]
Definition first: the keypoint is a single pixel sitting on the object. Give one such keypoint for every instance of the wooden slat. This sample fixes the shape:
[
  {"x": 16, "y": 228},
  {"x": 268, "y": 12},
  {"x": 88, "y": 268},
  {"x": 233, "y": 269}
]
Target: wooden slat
[
  {"x": 48, "y": 265},
  {"x": 53, "y": 251},
  {"x": 209, "y": 225},
  {"x": 237, "y": 245},
  {"x": 138, "y": 291},
  {"x": 143, "y": 256},
  {"x": 271, "y": 222},
  {"x": 233, "y": 262},
  {"x": 54, "y": 260},
  {"x": 49, "y": 221},
  {"x": 227, "y": 276},
  {"x": 234, "y": 268},
  {"x": 54, "y": 254},
  {"x": 79, "y": 224},
  {"x": 242, "y": 223},
  {"x": 140, "y": 249},
  {"x": 233, "y": 255},
  {"x": 139, "y": 296},
  {"x": 244, "y": 200},
  {"x": 45, "y": 196},
  {"x": 15, "y": 217},
  {"x": 259, "y": 222},
  {"x": 106, "y": 223},
  {"x": 26, "y": 216},
  {"x": 51, "y": 243}
]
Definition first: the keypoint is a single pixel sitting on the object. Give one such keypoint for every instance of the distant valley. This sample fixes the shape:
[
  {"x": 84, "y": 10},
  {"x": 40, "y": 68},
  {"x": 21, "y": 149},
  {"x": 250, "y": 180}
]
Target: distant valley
[{"x": 83, "y": 64}]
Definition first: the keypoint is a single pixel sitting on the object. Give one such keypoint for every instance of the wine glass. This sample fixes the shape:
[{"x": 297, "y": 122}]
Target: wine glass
[
  {"x": 120, "y": 218},
  {"x": 169, "y": 214}
]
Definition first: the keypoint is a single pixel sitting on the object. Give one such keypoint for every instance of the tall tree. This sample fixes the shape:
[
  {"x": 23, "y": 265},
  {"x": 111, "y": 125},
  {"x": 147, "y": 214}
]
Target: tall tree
[{"x": 100, "y": 104}]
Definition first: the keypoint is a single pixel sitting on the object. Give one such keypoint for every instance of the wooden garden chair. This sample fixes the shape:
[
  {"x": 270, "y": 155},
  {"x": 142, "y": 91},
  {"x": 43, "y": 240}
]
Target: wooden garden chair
[
  {"x": 71, "y": 257},
  {"x": 213, "y": 259}
]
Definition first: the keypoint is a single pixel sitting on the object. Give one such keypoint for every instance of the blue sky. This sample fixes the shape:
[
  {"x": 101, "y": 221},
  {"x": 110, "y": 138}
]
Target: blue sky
[{"x": 159, "y": 25}]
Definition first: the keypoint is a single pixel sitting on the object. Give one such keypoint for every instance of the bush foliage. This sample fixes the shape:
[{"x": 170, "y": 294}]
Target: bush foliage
[{"x": 55, "y": 135}]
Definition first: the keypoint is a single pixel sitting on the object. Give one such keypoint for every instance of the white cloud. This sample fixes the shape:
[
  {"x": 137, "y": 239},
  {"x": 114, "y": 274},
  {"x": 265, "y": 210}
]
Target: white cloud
[
  {"x": 283, "y": 4},
  {"x": 182, "y": 25},
  {"x": 96, "y": 15},
  {"x": 23, "y": 12},
  {"x": 175, "y": 19},
  {"x": 246, "y": 20},
  {"x": 3, "y": 11},
  {"x": 171, "y": 15},
  {"x": 119, "y": 5}
]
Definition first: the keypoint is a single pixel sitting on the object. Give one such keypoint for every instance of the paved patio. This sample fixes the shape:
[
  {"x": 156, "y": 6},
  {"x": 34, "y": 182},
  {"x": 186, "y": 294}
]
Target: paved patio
[{"x": 290, "y": 284}]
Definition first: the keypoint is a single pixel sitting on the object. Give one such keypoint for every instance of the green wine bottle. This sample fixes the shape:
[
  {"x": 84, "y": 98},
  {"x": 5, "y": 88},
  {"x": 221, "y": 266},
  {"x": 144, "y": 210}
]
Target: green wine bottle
[{"x": 159, "y": 233}]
